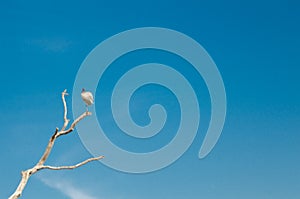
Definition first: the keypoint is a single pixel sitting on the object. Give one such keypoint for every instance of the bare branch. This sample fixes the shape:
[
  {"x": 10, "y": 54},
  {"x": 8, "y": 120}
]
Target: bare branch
[
  {"x": 73, "y": 166},
  {"x": 66, "y": 120},
  {"x": 40, "y": 165},
  {"x": 83, "y": 115},
  {"x": 48, "y": 148},
  {"x": 61, "y": 132},
  {"x": 23, "y": 182}
]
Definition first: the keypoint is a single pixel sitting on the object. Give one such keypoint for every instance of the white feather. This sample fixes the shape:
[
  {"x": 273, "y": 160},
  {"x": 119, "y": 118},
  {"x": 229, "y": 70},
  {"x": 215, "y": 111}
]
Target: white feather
[{"x": 87, "y": 97}]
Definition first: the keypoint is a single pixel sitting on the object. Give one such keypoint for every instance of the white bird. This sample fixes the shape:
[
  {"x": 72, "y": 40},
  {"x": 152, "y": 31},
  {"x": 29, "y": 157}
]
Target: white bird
[{"x": 87, "y": 97}]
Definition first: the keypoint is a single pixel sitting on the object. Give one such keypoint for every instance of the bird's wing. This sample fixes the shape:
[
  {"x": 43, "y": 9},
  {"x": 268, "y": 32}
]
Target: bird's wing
[
  {"x": 87, "y": 98},
  {"x": 90, "y": 97}
]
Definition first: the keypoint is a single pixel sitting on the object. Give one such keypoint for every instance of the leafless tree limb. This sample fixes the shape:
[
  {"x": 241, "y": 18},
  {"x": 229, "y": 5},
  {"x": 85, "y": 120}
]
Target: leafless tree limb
[
  {"x": 73, "y": 166},
  {"x": 66, "y": 120},
  {"x": 40, "y": 165}
]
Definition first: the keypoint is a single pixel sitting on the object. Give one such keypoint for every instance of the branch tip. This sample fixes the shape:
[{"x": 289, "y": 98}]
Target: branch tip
[{"x": 65, "y": 92}]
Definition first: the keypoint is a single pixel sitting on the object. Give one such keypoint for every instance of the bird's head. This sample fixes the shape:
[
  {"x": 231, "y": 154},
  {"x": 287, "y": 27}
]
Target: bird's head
[{"x": 83, "y": 90}]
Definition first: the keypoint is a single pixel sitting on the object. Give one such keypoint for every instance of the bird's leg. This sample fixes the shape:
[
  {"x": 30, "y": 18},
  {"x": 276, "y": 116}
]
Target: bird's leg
[{"x": 86, "y": 108}]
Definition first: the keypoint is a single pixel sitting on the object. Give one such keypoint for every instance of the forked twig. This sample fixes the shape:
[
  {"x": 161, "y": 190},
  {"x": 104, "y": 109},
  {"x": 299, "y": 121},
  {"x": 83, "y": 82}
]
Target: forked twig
[{"x": 40, "y": 165}]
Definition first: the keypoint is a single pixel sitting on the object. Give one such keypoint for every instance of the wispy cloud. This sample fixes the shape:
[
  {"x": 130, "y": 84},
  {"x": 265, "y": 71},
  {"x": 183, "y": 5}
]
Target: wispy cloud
[
  {"x": 56, "y": 45},
  {"x": 66, "y": 187}
]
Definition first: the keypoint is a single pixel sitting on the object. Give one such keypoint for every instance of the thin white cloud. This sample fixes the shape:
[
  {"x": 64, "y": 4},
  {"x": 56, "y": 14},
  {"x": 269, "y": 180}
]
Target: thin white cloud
[
  {"x": 56, "y": 45},
  {"x": 67, "y": 188}
]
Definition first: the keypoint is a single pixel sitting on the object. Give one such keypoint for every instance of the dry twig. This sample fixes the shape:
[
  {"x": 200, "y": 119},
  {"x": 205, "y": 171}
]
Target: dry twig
[{"x": 40, "y": 165}]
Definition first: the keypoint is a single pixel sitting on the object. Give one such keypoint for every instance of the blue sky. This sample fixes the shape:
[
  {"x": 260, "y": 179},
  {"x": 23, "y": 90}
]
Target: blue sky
[{"x": 255, "y": 45}]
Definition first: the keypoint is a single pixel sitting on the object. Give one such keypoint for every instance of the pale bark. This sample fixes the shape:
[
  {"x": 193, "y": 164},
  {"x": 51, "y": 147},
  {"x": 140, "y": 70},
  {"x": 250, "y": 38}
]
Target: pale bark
[{"x": 40, "y": 165}]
